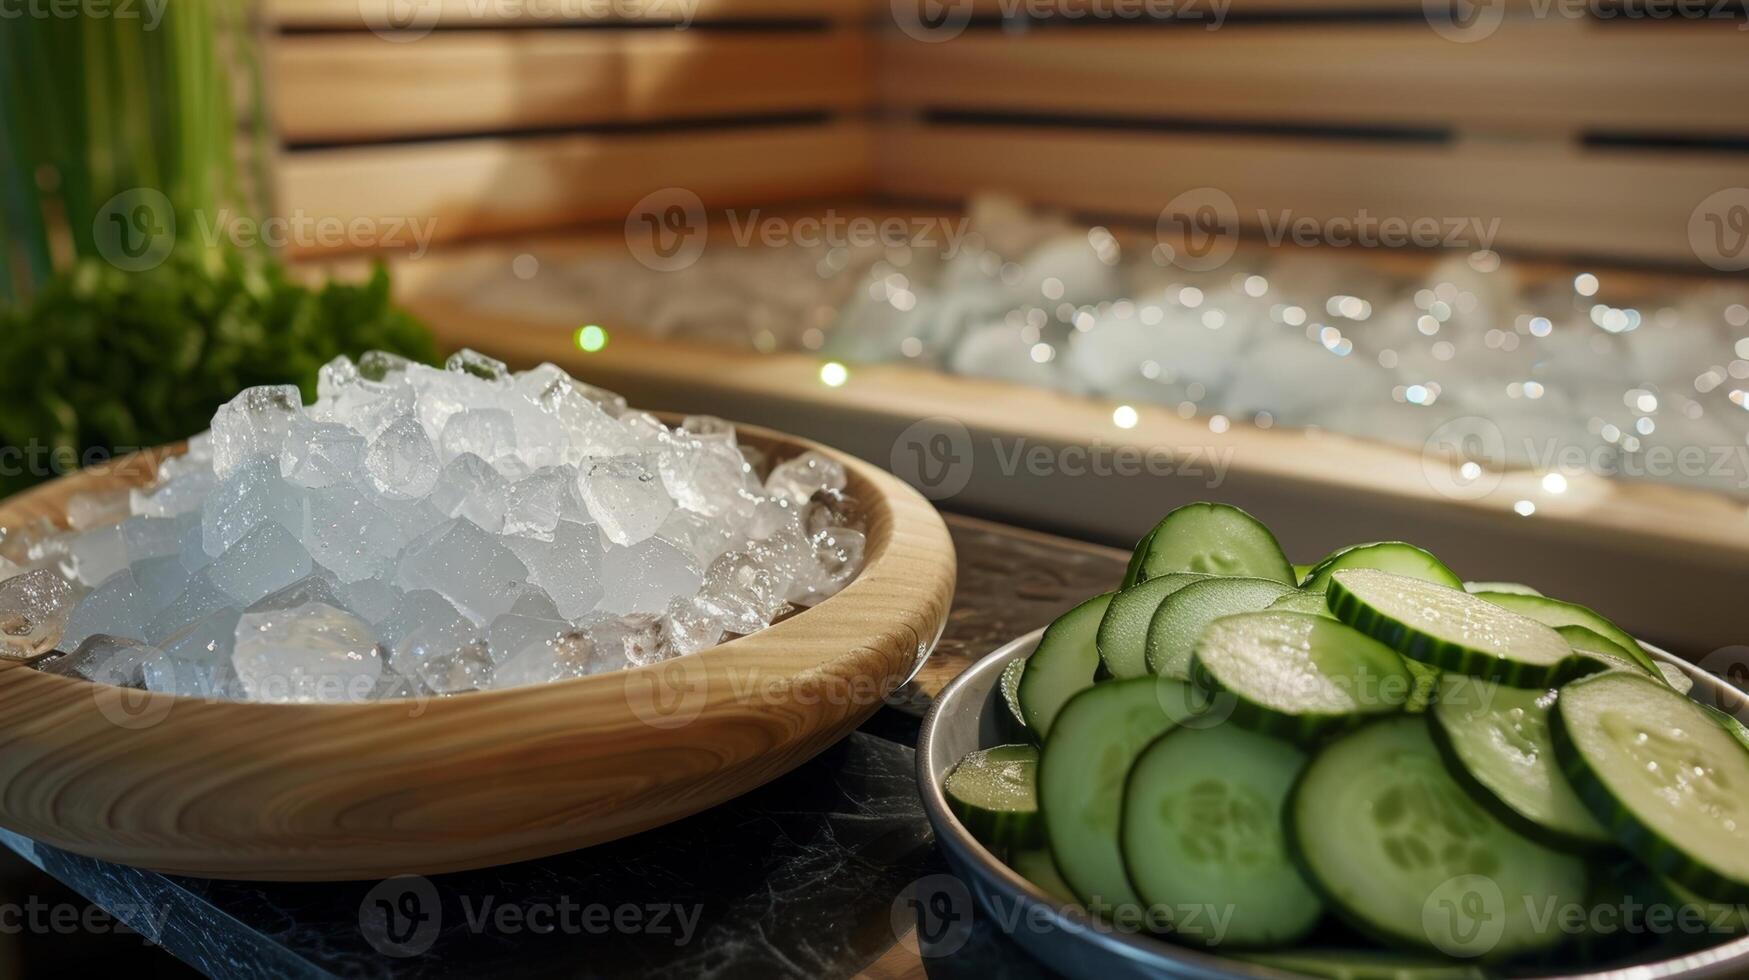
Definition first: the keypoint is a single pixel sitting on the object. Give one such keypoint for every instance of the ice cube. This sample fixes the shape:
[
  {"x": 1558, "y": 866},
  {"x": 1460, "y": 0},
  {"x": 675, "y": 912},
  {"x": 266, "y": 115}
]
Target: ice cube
[
  {"x": 478, "y": 365},
  {"x": 254, "y": 494},
  {"x": 183, "y": 494},
  {"x": 485, "y": 432},
  {"x": 469, "y": 567},
  {"x": 199, "y": 599},
  {"x": 691, "y": 627},
  {"x": 113, "y": 609},
  {"x": 548, "y": 381},
  {"x": 152, "y": 537},
  {"x": 536, "y": 502},
  {"x": 467, "y": 668},
  {"x": 625, "y": 496},
  {"x": 707, "y": 477},
  {"x": 643, "y": 577},
  {"x": 102, "y": 659},
  {"x": 196, "y": 662},
  {"x": 637, "y": 640},
  {"x": 161, "y": 581},
  {"x": 512, "y": 634},
  {"x": 373, "y": 599},
  {"x": 703, "y": 538},
  {"x": 96, "y": 508},
  {"x": 533, "y": 601},
  {"x": 383, "y": 367},
  {"x": 401, "y": 461},
  {"x": 837, "y": 557},
  {"x": 308, "y": 653},
  {"x": 321, "y": 454},
  {"x": 741, "y": 591},
  {"x": 708, "y": 427},
  {"x": 470, "y": 487},
  {"x": 796, "y": 479},
  {"x": 253, "y": 424},
  {"x": 209, "y": 641},
  {"x": 571, "y": 656},
  {"x": 34, "y": 608},
  {"x": 269, "y": 558},
  {"x": 313, "y": 588},
  {"x": 193, "y": 547},
  {"x": 424, "y": 626},
  {"x": 350, "y": 535},
  {"x": 334, "y": 378},
  {"x": 98, "y": 554},
  {"x": 831, "y": 508},
  {"x": 567, "y": 567}
]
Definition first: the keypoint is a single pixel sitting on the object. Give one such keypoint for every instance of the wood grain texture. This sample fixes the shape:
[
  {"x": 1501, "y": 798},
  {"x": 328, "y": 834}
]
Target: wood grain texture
[
  {"x": 335, "y": 87},
  {"x": 333, "y": 792},
  {"x": 1528, "y": 196},
  {"x": 470, "y": 187},
  {"x": 1553, "y": 75}
]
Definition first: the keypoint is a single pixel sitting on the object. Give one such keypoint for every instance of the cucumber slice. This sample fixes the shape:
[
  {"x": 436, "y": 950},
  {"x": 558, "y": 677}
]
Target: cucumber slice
[
  {"x": 1427, "y": 680},
  {"x": 1449, "y": 628},
  {"x": 1668, "y": 782},
  {"x": 1036, "y": 866},
  {"x": 1717, "y": 918},
  {"x": 1599, "y": 651},
  {"x": 1201, "y": 828},
  {"x": 1299, "y": 675},
  {"x": 1303, "y": 601},
  {"x": 1010, "y": 683},
  {"x": 1389, "y": 556},
  {"x": 1554, "y": 612},
  {"x": 994, "y": 794},
  {"x": 1214, "y": 539},
  {"x": 1133, "y": 572},
  {"x": 1729, "y": 723},
  {"x": 1672, "y": 675},
  {"x": 1362, "y": 964},
  {"x": 1302, "y": 572},
  {"x": 1096, "y": 738},
  {"x": 1517, "y": 588},
  {"x": 1496, "y": 742},
  {"x": 1123, "y": 632},
  {"x": 1063, "y": 663},
  {"x": 1402, "y": 852},
  {"x": 1181, "y": 618}
]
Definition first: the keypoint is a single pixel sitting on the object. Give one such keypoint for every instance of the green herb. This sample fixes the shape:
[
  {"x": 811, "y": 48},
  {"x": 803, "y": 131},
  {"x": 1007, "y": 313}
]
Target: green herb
[{"x": 108, "y": 360}]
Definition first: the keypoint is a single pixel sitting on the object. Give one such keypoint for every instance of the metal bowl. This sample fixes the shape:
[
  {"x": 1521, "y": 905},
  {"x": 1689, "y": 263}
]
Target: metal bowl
[{"x": 966, "y": 716}]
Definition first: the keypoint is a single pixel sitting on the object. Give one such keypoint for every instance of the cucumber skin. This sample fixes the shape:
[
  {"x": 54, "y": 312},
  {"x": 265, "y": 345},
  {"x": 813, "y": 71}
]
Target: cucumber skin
[
  {"x": 1485, "y": 798},
  {"x": 1040, "y": 727},
  {"x": 1013, "y": 722},
  {"x": 1517, "y": 601},
  {"x": 1283, "y": 574},
  {"x": 1458, "y": 659},
  {"x": 1133, "y": 572},
  {"x": 1318, "y": 579},
  {"x": 1650, "y": 847},
  {"x": 1301, "y": 730},
  {"x": 1003, "y": 832}
]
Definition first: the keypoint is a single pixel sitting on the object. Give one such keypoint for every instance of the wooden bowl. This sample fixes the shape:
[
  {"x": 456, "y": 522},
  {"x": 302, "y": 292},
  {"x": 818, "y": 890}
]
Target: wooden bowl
[{"x": 314, "y": 792}]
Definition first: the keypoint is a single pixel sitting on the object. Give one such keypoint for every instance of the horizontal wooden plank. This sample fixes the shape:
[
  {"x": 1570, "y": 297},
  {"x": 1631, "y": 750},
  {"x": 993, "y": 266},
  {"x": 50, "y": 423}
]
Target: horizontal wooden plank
[
  {"x": 1530, "y": 75},
  {"x": 428, "y": 14},
  {"x": 463, "y": 188},
  {"x": 335, "y": 87},
  {"x": 1562, "y": 199}
]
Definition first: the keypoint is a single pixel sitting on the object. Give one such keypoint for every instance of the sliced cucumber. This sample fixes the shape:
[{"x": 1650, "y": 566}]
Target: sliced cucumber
[
  {"x": 1181, "y": 618},
  {"x": 1673, "y": 675},
  {"x": 1554, "y": 612},
  {"x": 1362, "y": 964},
  {"x": 1736, "y": 729},
  {"x": 1214, "y": 539},
  {"x": 1013, "y": 720},
  {"x": 1496, "y": 741},
  {"x": 1299, "y": 675},
  {"x": 1302, "y": 572},
  {"x": 1668, "y": 782},
  {"x": 1428, "y": 679},
  {"x": 1096, "y": 738},
  {"x": 1036, "y": 866},
  {"x": 1133, "y": 573},
  {"x": 1402, "y": 852},
  {"x": 994, "y": 794},
  {"x": 1449, "y": 628},
  {"x": 1388, "y": 556},
  {"x": 1717, "y": 918},
  {"x": 1517, "y": 588},
  {"x": 1202, "y": 828},
  {"x": 1299, "y": 600},
  {"x": 1601, "y": 652},
  {"x": 1123, "y": 632},
  {"x": 1064, "y": 663}
]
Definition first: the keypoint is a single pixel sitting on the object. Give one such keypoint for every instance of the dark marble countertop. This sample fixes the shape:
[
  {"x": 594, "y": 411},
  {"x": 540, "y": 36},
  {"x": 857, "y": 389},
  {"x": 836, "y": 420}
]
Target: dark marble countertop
[{"x": 810, "y": 876}]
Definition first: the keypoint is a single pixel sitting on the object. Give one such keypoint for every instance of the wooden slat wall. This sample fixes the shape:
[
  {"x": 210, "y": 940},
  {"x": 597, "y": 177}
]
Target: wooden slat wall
[
  {"x": 1547, "y": 197},
  {"x": 1548, "y": 76},
  {"x": 362, "y": 87}
]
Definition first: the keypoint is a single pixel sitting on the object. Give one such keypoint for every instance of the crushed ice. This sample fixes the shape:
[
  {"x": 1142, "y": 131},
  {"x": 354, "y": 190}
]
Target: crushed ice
[{"x": 420, "y": 531}]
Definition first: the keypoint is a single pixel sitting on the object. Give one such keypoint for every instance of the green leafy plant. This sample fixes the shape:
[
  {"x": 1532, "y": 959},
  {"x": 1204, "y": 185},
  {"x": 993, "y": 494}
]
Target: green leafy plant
[{"x": 107, "y": 360}]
